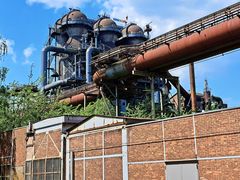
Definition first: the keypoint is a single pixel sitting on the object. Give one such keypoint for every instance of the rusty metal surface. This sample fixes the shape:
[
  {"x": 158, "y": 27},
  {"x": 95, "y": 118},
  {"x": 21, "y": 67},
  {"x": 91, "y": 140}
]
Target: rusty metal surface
[
  {"x": 216, "y": 33},
  {"x": 105, "y": 22},
  {"x": 76, "y": 15},
  {"x": 193, "y": 87},
  {"x": 132, "y": 29},
  {"x": 79, "y": 98},
  {"x": 199, "y": 25},
  {"x": 209, "y": 42},
  {"x": 76, "y": 96}
]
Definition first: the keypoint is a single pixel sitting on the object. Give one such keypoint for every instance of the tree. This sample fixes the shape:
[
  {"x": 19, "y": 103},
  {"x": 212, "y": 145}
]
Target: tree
[{"x": 20, "y": 105}]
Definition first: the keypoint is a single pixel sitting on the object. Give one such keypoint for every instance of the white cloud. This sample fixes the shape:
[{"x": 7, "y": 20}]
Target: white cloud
[
  {"x": 164, "y": 15},
  {"x": 122, "y": 8},
  {"x": 27, "y": 52},
  {"x": 10, "y": 48},
  {"x": 56, "y": 4}
]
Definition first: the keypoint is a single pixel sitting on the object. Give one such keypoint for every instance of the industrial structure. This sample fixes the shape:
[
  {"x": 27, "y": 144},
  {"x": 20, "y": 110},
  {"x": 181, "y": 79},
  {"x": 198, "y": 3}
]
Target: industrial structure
[{"x": 85, "y": 59}]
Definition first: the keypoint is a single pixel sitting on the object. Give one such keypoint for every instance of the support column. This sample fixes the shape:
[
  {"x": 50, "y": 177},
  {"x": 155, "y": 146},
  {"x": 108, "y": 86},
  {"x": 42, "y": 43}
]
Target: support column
[
  {"x": 152, "y": 97},
  {"x": 116, "y": 101},
  {"x": 193, "y": 87},
  {"x": 124, "y": 153},
  {"x": 84, "y": 101},
  {"x": 179, "y": 96}
]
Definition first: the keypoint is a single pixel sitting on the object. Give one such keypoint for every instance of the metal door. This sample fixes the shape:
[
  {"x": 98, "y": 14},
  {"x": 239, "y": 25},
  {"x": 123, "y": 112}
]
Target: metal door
[{"x": 182, "y": 171}]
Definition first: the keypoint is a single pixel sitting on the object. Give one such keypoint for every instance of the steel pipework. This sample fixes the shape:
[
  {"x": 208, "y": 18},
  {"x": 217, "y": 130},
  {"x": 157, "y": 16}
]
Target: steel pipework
[
  {"x": 214, "y": 40},
  {"x": 79, "y": 98},
  {"x": 45, "y": 57}
]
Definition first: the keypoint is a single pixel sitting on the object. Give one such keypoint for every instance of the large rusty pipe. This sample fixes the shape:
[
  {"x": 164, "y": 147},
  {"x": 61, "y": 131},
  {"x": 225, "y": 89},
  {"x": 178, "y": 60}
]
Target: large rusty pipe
[
  {"x": 211, "y": 41},
  {"x": 79, "y": 98}
]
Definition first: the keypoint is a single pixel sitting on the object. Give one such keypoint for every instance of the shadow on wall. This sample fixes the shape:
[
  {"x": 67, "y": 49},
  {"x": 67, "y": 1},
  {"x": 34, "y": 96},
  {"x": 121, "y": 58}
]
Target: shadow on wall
[{"x": 7, "y": 154}]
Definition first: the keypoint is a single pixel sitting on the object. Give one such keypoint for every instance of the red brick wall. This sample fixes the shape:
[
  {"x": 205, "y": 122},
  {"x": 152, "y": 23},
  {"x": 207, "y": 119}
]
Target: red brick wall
[
  {"x": 217, "y": 135},
  {"x": 225, "y": 169},
  {"x": 14, "y": 141},
  {"x": 94, "y": 169},
  {"x": 113, "y": 168},
  {"x": 78, "y": 174},
  {"x": 94, "y": 143},
  {"x": 145, "y": 143},
  {"x": 179, "y": 135},
  {"x": 47, "y": 144},
  {"x": 113, "y": 142},
  {"x": 147, "y": 171},
  {"x": 19, "y": 136}
]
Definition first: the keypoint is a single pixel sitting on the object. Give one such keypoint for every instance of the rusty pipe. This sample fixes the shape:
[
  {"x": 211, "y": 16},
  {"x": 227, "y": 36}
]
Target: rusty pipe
[
  {"x": 79, "y": 98},
  {"x": 211, "y": 41}
]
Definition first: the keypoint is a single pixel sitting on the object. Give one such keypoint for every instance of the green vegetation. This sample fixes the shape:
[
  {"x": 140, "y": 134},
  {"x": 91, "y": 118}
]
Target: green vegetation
[{"x": 21, "y": 104}]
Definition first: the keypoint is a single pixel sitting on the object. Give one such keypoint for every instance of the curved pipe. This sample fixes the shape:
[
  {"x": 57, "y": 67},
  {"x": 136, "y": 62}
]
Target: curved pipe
[
  {"x": 212, "y": 41},
  {"x": 45, "y": 56},
  {"x": 88, "y": 64}
]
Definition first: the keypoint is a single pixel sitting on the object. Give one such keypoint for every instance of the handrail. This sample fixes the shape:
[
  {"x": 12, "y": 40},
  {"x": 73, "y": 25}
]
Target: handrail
[{"x": 198, "y": 25}]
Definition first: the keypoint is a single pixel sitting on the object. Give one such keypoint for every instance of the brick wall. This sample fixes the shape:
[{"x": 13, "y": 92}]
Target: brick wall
[
  {"x": 5, "y": 145},
  {"x": 19, "y": 136},
  {"x": 98, "y": 149},
  {"x": 219, "y": 169},
  {"x": 13, "y": 146},
  {"x": 209, "y": 138},
  {"x": 47, "y": 144},
  {"x": 217, "y": 135}
]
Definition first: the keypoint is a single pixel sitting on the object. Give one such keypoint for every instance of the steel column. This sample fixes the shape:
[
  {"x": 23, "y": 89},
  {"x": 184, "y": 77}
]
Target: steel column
[
  {"x": 116, "y": 101},
  {"x": 193, "y": 87},
  {"x": 152, "y": 98}
]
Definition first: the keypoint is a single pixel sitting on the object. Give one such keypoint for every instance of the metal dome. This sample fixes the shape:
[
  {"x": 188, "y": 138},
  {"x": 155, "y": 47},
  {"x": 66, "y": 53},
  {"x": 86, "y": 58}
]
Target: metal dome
[
  {"x": 56, "y": 29},
  {"x": 132, "y": 34},
  {"x": 58, "y": 23},
  {"x": 105, "y": 24},
  {"x": 75, "y": 17},
  {"x": 132, "y": 30}
]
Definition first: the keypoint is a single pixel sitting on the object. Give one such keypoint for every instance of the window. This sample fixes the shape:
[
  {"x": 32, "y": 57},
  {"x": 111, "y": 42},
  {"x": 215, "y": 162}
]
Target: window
[
  {"x": 53, "y": 169},
  {"x": 5, "y": 168},
  {"x": 28, "y": 170},
  {"x": 43, "y": 169},
  {"x": 38, "y": 169}
]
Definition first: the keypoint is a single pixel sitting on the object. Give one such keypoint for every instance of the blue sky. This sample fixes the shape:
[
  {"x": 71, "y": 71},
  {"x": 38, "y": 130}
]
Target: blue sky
[{"x": 24, "y": 24}]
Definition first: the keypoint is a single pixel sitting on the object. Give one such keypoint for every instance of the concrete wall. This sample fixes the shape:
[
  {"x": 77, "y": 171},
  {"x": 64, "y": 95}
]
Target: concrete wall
[{"x": 212, "y": 140}]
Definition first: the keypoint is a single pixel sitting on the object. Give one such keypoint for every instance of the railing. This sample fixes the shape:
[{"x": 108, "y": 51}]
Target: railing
[
  {"x": 118, "y": 51},
  {"x": 196, "y": 26}
]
